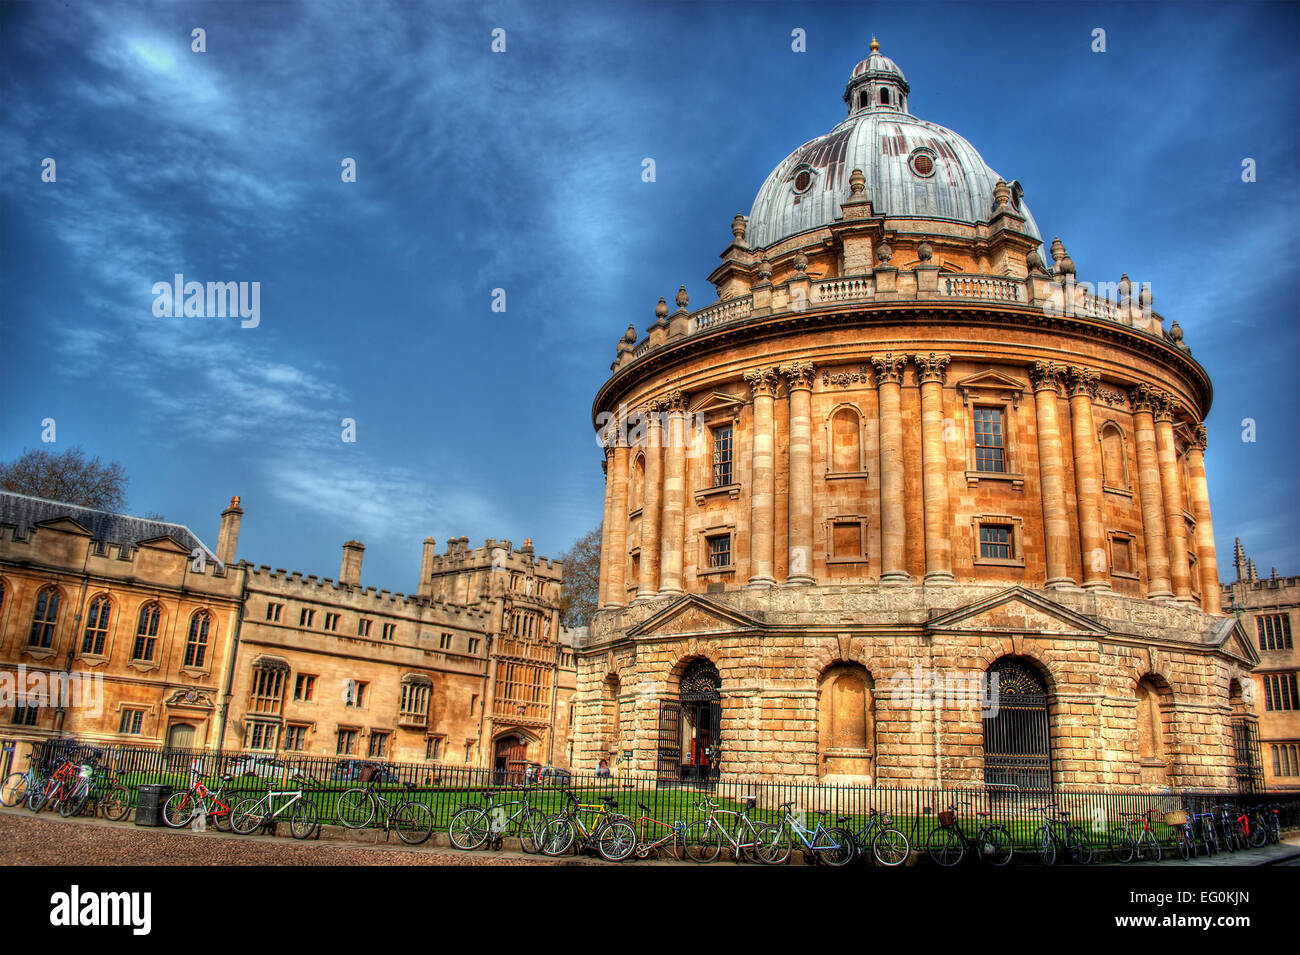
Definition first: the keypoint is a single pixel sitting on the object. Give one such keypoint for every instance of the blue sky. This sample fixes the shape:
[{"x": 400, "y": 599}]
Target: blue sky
[{"x": 522, "y": 171}]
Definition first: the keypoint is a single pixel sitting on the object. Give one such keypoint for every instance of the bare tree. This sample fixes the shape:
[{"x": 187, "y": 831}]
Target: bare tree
[
  {"x": 70, "y": 477},
  {"x": 581, "y": 580}
]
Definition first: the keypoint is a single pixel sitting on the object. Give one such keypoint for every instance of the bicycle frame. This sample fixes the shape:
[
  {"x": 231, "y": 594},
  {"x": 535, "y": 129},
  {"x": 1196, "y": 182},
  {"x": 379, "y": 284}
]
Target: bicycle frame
[
  {"x": 673, "y": 835},
  {"x": 741, "y": 819},
  {"x": 802, "y": 833}
]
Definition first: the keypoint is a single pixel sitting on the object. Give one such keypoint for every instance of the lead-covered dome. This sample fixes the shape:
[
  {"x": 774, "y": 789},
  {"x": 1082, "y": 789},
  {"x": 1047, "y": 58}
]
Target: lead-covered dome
[{"x": 913, "y": 168}]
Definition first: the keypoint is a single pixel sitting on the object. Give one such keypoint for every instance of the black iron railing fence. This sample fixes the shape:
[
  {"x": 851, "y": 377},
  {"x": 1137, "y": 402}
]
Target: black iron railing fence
[{"x": 447, "y": 788}]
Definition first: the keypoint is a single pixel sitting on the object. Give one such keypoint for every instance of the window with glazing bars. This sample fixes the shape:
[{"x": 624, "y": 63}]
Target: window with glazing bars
[
  {"x": 995, "y": 541},
  {"x": 1280, "y": 692},
  {"x": 989, "y": 444},
  {"x": 267, "y": 690},
  {"x": 1285, "y": 762},
  {"x": 44, "y": 617},
  {"x": 196, "y": 647},
  {"x": 96, "y": 626},
  {"x": 1274, "y": 631},
  {"x": 722, "y": 440},
  {"x": 295, "y": 738},
  {"x": 146, "y": 632},
  {"x": 720, "y": 551}
]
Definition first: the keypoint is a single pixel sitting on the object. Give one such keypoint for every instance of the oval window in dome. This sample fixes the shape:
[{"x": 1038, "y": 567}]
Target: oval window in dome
[
  {"x": 922, "y": 163},
  {"x": 803, "y": 178}
]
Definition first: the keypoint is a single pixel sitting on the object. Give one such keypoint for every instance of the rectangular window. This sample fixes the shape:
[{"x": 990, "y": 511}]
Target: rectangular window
[
  {"x": 1280, "y": 692},
  {"x": 636, "y": 570},
  {"x": 469, "y": 752},
  {"x": 1286, "y": 759},
  {"x": 473, "y": 704},
  {"x": 846, "y": 540},
  {"x": 995, "y": 541},
  {"x": 473, "y": 644},
  {"x": 132, "y": 721},
  {"x": 722, "y": 442},
  {"x": 378, "y": 744},
  {"x": 363, "y": 627},
  {"x": 347, "y": 742},
  {"x": 444, "y": 641},
  {"x": 1274, "y": 631},
  {"x": 273, "y": 612},
  {"x": 389, "y": 631},
  {"x": 357, "y": 694},
  {"x": 28, "y": 715},
  {"x": 261, "y": 736},
  {"x": 331, "y": 621},
  {"x": 720, "y": 550},
  {"x": 304, "y": 687},
  {"x": 306, "y": 617},
  {"x": 267, "y": 691},
  {"x": 989, "y": 444},
  {"x": 295, "y": 738},
  {"x": 415, "y": 701},
  {"x": 1121, "y": 555},
  {"x": 433, "y": 748}
]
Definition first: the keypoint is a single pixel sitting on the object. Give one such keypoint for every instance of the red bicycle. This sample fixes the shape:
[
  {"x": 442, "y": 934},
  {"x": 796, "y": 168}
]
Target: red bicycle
[
  {"x": 182, "y": 808},
  {"x": 56, "y": 788}
]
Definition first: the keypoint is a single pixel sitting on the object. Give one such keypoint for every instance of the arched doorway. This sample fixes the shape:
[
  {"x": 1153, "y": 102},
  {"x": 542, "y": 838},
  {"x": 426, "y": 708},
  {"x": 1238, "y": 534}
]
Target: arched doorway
[
  {"x": 1017, "y": 741},
  {"x": 690, "y": 725},
  {"x": 510, "y": 758}
]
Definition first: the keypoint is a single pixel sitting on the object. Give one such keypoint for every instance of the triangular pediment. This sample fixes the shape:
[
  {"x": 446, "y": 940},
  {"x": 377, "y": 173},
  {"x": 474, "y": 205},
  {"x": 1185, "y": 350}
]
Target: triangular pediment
[
  {"x": 163, "y": 543},
  {"x": 67, "y": 525},
  {"x": 992, "y": 381},
  {"x": 1231, "y": 638},
  {"x": 715, "y": 402},
  {"x": 692, "y": 615},
  {"x": 1016, "y": 610}
]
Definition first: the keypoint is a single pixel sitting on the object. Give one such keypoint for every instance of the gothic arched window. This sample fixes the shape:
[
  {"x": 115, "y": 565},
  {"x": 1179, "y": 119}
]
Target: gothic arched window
[{"x": 45, "y": 618}]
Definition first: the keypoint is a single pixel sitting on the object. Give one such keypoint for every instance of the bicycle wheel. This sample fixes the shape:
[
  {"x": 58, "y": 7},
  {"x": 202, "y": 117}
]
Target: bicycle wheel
[
  {"x": 1079, "y": 844},
  {"x": 1123, "y": 846},
  {"x": 1211, "y": 841},
  {"x": 1149, "y": 845},
  {"x": 355, "y": 808},
  {"x": 219, "y": 811},
  {"x": 944, "y": 846},
  {"x": 179, "y": 809},
  {"x": 1186, "y": 843},
  {"x": 1273, "y": 831},
  {"x": 74, "y": 804},
  {"x": 616, "y": 841},
  {"x": 890, "y": 847},
  {"x": 995, "y": 846},
  {"x": 116, "y": 805},
  {"x": 1229, "y": 839},
  {"x": 1045, "y": 845},
  {"x": 1259, "y": 834},
  {"x": 413, "y": 822},
  {"x": 841, "y": 847},
  {"x": 246, "y": 817},
  {"x": 557, "y": 835},
  {"x": 532, "y": 829},
  {"x": 14, "y": 789},
  {"x": 468, "y": 829},
  {"x": 37, "y": 799},
  {"x": 703, "y": 841},
  {"x": 302, "y": 819}
]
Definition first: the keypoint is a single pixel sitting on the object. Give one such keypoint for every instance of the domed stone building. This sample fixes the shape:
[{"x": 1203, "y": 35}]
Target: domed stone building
[{"x": 908, "y": 504}]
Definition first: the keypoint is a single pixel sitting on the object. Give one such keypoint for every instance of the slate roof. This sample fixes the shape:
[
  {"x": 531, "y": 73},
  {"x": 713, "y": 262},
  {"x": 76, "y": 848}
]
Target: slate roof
[{"x": 24, "y": 512}]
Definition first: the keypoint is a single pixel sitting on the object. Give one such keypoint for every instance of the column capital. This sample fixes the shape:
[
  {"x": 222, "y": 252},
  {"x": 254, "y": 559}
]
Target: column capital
[
  {"x": 931, "y": 367},
  {"x": 674, "y": 400},
  {"x": 761, "y": 381},
  {"x": 1200, "y": 437},
  {"x": 1144, "y": 399},
  {"x": 1168, "y": 408},
  {"x": 1081, "y": 381},
  {"x": 889, "y": 368},
  {"x": 651, "y": 408},
  {"x": 799, "y": 374},
  {"x": 1046, "y": 376}
]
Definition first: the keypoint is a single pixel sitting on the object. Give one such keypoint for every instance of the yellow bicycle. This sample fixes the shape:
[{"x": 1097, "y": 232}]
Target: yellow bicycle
[{"x": 610, "y": 833}]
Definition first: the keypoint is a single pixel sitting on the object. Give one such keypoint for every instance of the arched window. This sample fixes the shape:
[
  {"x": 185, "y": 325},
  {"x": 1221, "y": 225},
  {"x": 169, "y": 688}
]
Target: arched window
[
  {"x": 846, "y": 442},
  {"x": 884, "y": 96},
  {"x": 96, "y": 634},
  {"x": 44, "y": 618},
  {"x": 1017, "y": 741},
  {"x": 864, "y": 99},
  {"x": 846, "y": 722},
  {"x": 1114, "y": 459},
  {"x": 146, "y": 633},
  {"x": 196, "y": 645},
  {"x": 637, "y": 487}
]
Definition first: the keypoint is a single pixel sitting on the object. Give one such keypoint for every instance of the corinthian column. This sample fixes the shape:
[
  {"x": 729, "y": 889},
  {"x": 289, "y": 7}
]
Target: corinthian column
[
  {"x": 1081, "y": 386},
  {"x": 648, "y": 585},
  {"x": 674, "y": 528},
  {"x": 762, "y": 494},
  {"x": 889, "y": 383},
  {"x": 614, "y": 560},
  {"x": 799, "y": 374},
  {"x": 1045, "y": 377},
  {"x": 1145, "y": 400},
  {"x": 930, "y": 369},
  {"x": 1172, "y": 491},
  {"x": 607, "y": 466},
  {"x": 1206, "y": 560}
]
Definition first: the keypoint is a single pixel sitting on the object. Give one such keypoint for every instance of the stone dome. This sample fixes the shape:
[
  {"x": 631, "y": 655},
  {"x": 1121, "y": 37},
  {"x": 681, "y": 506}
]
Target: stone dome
[{"x": 913, "y": 168}]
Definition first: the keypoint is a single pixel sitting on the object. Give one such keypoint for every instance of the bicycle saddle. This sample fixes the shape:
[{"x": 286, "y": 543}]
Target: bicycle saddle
[
  {"x": 842, "y": 820},
  {"x": 644, "y": 806},
  {"x": 609, "y": 801},
  {"x": 409, "y": 786},
  {"x": 983, "y": 812},
  {"x": 786, "y": 805},
  {"x": 751, "y": 802}
]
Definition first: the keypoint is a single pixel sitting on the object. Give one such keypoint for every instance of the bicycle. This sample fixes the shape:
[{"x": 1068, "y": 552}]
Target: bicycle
[
  {"x": 14, "y": 790},
  {"x": 79, "y": 793},
  {"x": 704, "y": 838},
  {"x": 1208, "y": 835},
  {"x": 889, "y": 846},
  {"x": 947, "y": 844},
  {"x": 1238, "y": 821},
  {"x": 183, "y": 807},
  {"x": 1126, "y": 847},
  {"x": 646, "y": 846},
  {"x": 411, "y": 818},
  {"x": 612, "y": 834},
  {"x": 55, "y": 788},
  {"x": 1228, "y": 828},
  {"x": 1272, "y": 824},
  {"x": 257, "y": 812},
  {"x": 833, "y": 846},
  {"x": 471, "y": 827},
  {"x": 110, "y": 797},
  {"x": 1048, "y": 840}
]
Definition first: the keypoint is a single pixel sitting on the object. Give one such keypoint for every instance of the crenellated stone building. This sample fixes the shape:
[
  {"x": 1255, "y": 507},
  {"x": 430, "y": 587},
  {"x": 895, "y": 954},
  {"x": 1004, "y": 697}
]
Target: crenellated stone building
[
  {"x": 903, "y": 454},
  {"x": 200, "y": 650},
  {"x": 1269, "y": 610}
]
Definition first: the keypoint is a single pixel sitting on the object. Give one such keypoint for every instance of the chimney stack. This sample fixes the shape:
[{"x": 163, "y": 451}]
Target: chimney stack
[
  {"x": 228, "y": 535},
  {"x": 425, "y": 588},
  {"x": 350, "y": 571}
]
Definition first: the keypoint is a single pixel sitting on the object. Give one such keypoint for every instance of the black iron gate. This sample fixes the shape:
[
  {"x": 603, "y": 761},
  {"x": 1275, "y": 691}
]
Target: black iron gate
[
  {"x": 670, "y": 739},
  {"x": 1250, "y": 765},
  {"x": 1017, "y": 742},
  {"x": 690, "y": 726}
]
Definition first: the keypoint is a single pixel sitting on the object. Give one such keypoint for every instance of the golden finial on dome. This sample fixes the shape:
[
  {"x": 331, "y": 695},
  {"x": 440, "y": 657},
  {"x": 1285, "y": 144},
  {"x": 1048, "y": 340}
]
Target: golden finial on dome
[{"x": 875, "y": 46}]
